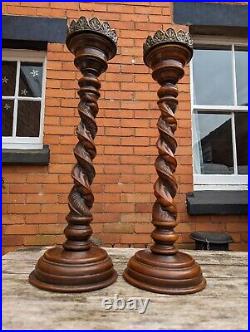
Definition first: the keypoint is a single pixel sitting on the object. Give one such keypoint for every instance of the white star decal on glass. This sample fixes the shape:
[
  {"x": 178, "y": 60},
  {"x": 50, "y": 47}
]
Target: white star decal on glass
[
  {"x": 6, "y": 107},
  {"x": 5, "y": 80},
  {"x": 24, "y": 92},
  {"x": 34, "y": 73}
]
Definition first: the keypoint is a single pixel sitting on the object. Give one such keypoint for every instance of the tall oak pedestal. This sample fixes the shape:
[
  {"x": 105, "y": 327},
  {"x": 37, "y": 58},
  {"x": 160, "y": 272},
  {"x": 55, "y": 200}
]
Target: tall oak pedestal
[
  {"x": 163, "y": 269},
  {"x": 78, "y": 265}
]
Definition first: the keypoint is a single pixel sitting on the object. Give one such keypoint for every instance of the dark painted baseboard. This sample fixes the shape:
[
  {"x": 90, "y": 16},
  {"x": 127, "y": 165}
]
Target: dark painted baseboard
[
  {"x": 26, "y": 157},
  {"x": 43, "y": 29},
  {"x": 209, "y": 202}
]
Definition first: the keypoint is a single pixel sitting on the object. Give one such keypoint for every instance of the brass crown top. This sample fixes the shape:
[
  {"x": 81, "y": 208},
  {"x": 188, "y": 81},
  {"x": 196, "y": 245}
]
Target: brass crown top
[
  {"x": 170, "y": 35},
  {"x": 93, "y": 24}
]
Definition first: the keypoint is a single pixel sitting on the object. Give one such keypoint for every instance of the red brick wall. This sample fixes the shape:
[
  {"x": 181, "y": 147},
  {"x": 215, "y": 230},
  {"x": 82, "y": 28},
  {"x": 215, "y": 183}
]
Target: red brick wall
[{"x": 35, "y": 198}]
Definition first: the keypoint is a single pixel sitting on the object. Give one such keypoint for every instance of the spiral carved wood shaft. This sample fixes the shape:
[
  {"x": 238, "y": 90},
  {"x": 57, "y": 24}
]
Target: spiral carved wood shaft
[
  {"x": 81, "y": 198},
  {"x": 165, "y": 188}
]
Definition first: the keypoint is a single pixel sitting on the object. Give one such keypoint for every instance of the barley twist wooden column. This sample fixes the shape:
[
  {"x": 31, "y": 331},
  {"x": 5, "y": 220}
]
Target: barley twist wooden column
[
  {"x": 163, "y": 269},
  {"x": 79, "y": 265}
]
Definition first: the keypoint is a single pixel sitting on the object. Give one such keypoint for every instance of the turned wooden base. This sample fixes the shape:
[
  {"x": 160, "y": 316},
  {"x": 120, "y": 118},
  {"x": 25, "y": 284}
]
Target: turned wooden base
[
  {"x": 60, "y": 270},
  {"x": 166, "y": 274}
]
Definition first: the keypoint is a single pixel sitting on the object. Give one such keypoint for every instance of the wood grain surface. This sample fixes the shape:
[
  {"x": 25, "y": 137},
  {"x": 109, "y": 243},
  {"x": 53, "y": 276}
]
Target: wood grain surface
[{"x": 222, "y": 305}]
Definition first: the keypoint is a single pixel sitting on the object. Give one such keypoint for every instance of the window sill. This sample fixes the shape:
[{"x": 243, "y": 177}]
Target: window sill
[
  {"x": 221, "y": 202},
  {"x": 26, "y": 157}
]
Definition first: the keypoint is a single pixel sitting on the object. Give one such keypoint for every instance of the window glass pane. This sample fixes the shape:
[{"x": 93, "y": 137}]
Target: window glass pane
[
  {"x": 241, "y": 64},
  {"x": 213, "y": 143},
  {"x": 28, "y": 118},
  {"x": 7, "y": 117},
  {"x": 30, "y": 79},
  {"x": 241, "y": 130},
  {"x": 8, "y": 78},
  {"x": 212, "y": 77}
]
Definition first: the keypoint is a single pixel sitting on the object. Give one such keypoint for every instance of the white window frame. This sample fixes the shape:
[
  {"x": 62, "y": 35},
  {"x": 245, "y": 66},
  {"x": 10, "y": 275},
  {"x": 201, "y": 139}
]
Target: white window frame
[
  {"x": 218, "y": 181},
  {"x": 22, "y": 55}
]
